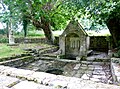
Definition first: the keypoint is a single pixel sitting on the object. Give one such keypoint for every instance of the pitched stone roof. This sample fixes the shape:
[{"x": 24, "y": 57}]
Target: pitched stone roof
[{"x": 74, "y": 25}]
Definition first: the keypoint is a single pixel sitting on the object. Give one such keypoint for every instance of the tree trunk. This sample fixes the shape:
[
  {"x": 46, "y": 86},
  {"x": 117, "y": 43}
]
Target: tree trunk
[
  {"x": 7, "y": 29},
  {"x": 113, "y": 25},
  {"x": 45, "y": 25},
  {"x": 25, "y": 23},
  {"x": 47, "y": 30},
  {"x": 11, "y": 38}
]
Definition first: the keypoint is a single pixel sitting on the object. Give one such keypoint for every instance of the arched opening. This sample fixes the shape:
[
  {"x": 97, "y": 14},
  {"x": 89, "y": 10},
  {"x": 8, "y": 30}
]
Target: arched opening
[{"x": 72, "y": 45}]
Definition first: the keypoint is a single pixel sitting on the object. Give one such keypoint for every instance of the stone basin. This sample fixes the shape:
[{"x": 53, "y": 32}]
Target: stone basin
[{"x": 55, "y": 71}]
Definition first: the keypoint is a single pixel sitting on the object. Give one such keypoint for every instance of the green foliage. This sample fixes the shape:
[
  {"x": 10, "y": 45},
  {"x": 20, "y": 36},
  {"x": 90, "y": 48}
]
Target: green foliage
[
  {"x": 118, "y": 53},
  {"x": 2, "y": 32},
  {"x": 97, "y": 10},
  {"x": 54, "y": 11},
  {"x": 58, "y": 12},
  {"x": 3, "y": 40}
]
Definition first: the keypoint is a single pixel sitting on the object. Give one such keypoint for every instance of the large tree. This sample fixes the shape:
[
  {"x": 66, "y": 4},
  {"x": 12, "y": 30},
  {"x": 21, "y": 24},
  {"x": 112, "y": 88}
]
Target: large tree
[
  {"x": 102, "y": 12},
  {"x": 108, "y": 12},
  {"x": 55, "y": 13},
  {"x": 45, "y": 14},
  {"x": 37, "y": 12}
]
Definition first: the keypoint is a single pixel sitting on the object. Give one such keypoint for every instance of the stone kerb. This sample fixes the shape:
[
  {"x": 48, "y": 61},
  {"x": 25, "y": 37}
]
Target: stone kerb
[{"x": 115, "y": 69}]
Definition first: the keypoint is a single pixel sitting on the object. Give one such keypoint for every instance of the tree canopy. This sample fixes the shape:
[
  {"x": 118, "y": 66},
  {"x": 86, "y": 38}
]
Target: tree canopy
[{"x": 54, "y": 14}]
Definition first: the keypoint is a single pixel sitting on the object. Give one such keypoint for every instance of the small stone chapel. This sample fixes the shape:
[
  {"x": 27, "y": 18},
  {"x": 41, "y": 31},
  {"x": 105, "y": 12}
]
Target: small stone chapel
[{"x": 74, "y": 41}]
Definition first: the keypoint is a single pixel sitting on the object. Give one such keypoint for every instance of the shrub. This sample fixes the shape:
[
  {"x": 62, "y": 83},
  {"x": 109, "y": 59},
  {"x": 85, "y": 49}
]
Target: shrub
[
  {"x": 3, "y": 40},
  {"x": 118, "y": 53}
]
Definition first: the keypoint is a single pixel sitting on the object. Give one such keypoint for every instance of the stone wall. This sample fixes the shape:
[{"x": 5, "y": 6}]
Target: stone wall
[
  {"x": 99, "y": 43},
  {"x": 115, "y": 69},
  {"x": 35, "y": 40},
  {"x": 18, "y": 62},
  {"x": 96, "y": 42},
  {"x": 31, "y": 40}
]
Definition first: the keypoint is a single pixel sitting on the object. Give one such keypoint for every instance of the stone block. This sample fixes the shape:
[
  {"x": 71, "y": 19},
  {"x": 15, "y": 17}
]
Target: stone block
[
  {"x": 98, "y": 72},
  {"x": 42, "y": 77},
  {"x": 77, "y": 66},
  {"x": 8, "y": 71},
  {"x": 98, "y": 67},
  {"x": 95, "y": 79},
  {"x": 22, "y": 73},
  {"x": 3, "y": 87},
  {"x": 7, "y": 81},
  {"x": 86, "y": 76},
  {"x": 2, "y": 68},
  {"x": 30, "y": 85},
  {"x": 99, "y": 76}
]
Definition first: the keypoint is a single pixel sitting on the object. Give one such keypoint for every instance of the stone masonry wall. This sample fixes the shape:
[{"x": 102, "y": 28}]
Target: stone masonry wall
[
  {"x": 30, "y": 40},
  {"x": 96, "y": 42},
  {"x": 35, "y": 40},
  {"x": 115, "y": 69},
  {"x": 99, "y": 43}
]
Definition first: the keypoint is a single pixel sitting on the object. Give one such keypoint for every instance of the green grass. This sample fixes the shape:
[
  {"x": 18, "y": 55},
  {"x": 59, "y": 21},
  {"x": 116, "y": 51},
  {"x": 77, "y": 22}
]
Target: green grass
[{"x": 7, "y": 51}]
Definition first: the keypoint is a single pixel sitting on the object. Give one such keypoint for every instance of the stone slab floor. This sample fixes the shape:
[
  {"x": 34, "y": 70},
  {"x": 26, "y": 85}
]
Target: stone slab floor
[
  {"x": 90, "y": 69},
  {"x": 14, "y": 78}
]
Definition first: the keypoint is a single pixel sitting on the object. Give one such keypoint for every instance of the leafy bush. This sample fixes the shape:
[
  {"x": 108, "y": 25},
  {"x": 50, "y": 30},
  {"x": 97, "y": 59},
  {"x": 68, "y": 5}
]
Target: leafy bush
[
  {"x": 118, "y": 53},
  {"x": 3, "y": 40},
  {"x": 2, "y": 32}
]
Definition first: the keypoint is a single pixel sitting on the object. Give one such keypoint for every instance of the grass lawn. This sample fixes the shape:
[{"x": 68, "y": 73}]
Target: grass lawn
[{"x": 8, "y": 51}]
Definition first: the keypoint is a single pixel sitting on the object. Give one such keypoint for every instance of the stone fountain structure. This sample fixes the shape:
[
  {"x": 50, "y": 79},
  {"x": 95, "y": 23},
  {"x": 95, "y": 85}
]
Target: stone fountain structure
[{"x": 74, "y": 41}]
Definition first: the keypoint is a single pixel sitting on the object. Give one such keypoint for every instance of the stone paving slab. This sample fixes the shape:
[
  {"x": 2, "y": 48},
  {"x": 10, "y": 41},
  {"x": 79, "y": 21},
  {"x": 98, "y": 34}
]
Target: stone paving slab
[
  {"x": 7, "y": 81},
  {"x": 98, "y": 67},
  {"x": 3, "y": 87},
  {"x": 22, "y": 72},
  {"x": 42, "y": 77},
  {"x": 77, "y": 66},
  {"x": 8, "y": 71},
  {"x": 86, "y": 76},
  {"x": 51, "y": 81},
  {"x": 30, "y": 85},
  {"x": 98, "y": 72},
  {"x": 2, "y": 68}
]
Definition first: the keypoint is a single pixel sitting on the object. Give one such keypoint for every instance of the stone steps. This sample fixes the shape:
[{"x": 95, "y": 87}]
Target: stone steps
[
  {"x": 42, "y": 51},
  {"x": 48, "y": 50},
  {"x": 50, "y": 55},
  {"x": 94, "y": 63}
]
